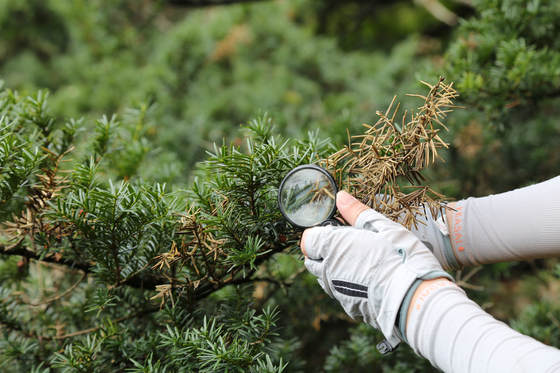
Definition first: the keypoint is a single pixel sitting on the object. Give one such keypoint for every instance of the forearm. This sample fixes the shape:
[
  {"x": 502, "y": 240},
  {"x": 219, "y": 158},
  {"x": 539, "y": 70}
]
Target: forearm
[
  {"x": 517, "y": 225},
  {"x": 456, "y": 335}
]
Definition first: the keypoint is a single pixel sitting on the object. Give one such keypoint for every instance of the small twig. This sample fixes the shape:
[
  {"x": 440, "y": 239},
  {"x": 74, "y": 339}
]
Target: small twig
[
  {"x": 472, "y": 273},
  {"x": 553, "y": 319},
  {"x": 472, "y": 287},
  {"x": 463, "y": 282},
  {"x": 290, "y": 279},
  {"x": 68, "y": 291},
  {"x": 14, "y": 245}
]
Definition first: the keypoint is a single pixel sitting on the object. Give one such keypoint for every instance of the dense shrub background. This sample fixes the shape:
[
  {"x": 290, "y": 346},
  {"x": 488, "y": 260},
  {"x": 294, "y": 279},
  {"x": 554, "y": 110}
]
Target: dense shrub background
[{"x": 180, "y": 79}]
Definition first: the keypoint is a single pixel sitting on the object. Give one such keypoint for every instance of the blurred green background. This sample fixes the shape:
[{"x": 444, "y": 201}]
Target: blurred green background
[{"x": 200, "y": 69}]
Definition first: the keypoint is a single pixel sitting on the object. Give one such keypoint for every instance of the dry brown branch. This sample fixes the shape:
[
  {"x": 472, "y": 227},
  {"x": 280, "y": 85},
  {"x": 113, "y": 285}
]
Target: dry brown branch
[
  {"x": 75, "y": 334},
  {"x": 472, "y": 287},
  {"x": 373, "y": 166},
  {"x": 198, "y": 248}
]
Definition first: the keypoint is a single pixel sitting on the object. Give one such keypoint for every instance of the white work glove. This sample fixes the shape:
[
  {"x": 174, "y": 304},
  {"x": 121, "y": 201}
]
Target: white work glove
[
  {"x": 368, "y": 268},
  {"x": 434, "y": 233}
]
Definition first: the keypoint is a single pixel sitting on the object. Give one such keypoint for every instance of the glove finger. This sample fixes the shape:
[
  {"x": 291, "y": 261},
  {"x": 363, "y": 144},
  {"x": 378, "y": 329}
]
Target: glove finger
[
  {"x": 325, "y": 288},
  {"x": 316, "y": 244},
  {"x": 349, "y": 207},
  {"x": 315, "y": 267}
]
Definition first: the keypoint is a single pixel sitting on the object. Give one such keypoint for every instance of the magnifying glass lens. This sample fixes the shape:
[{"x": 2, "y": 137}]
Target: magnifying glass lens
[{"x": 307, "y": 196}]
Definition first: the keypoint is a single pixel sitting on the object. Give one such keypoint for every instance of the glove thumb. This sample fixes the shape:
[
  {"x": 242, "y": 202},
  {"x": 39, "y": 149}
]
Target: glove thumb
[{"x": 349, "y": 207}]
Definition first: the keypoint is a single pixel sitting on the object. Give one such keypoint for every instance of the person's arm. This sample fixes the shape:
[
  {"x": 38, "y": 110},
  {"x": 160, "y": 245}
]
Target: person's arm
[
  {"x": 378, "y": 269},
  {"x": 522, "y": 224},
  {"x": 519, "y": 225},
  {"x": 370, "y": 267},
  {"x": 456, "y": 335}
]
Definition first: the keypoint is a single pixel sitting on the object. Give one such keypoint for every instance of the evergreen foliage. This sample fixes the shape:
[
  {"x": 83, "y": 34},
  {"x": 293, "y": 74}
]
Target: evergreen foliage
[
  {"x": 508, "y": 56},
  {"x": 103, "y": 238},
  {"x": 208, "y": 70},
  {"x": 504, "y": 63},
  {"x": 389, "y": 154},
  {"x": 121, "y": 265}
]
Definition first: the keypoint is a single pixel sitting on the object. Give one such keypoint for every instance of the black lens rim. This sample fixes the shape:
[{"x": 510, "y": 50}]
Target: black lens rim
[{"x": 293, "y": 171}]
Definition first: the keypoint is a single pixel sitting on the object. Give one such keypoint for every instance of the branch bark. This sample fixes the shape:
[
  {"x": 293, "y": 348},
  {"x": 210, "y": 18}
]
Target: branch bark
[
  {"x": 139, "y": 281},
  {"x": 23, "y": 251}
]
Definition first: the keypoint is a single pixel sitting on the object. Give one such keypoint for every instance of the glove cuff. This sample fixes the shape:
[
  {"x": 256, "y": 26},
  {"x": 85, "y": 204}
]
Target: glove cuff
[
  {"x": 448, "y": 259},
  {"x": 396, "y": 292},
  {"x": 403, "y": 312}
]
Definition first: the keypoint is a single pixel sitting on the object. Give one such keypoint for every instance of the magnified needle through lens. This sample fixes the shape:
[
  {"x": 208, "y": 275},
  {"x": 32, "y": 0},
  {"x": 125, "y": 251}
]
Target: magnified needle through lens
[{"x": 307, "y": 196}]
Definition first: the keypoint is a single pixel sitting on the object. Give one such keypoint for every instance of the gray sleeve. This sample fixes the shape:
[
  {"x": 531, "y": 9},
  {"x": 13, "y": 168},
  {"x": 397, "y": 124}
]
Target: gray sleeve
[
  {"x": 519, "y": 225},
  {"x": 456, "y": 335}
]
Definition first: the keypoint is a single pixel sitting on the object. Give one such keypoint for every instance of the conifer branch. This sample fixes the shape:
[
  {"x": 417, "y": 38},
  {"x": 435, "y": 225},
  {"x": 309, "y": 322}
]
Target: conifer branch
[
  {"x": 374, "y": 165},
  {"x": 26, "y": 253},
  {"x": 139, "y": 281}
]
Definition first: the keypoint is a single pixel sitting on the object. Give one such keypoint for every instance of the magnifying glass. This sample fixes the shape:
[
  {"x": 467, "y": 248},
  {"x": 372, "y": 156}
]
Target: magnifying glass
[{"x": 307, "y": 197}]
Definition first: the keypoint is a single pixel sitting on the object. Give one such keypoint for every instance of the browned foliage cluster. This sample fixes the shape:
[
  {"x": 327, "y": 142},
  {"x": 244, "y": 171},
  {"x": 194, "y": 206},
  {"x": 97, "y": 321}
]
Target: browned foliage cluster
[
  {"x": 29, "y": 221},
  {"x": 373, "y": 164},
  {"x": 198, "y": 250}
]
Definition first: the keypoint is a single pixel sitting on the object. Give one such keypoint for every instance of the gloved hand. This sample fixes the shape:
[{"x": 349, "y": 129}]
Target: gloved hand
[
  {"x": 434, "y": 232},
  {"x": 430, "y": 230},
  {"x": 368, "y": 268}
]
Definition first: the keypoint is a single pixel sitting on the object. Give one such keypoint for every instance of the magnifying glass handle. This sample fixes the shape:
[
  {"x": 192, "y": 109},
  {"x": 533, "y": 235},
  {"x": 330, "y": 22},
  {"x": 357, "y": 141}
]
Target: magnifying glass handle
[{"x": 332, "y": 222}]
